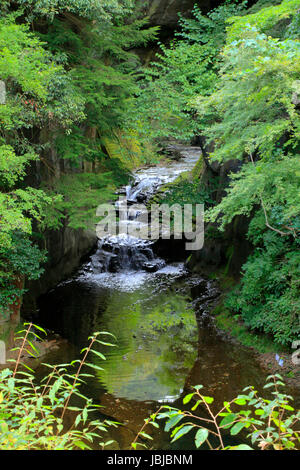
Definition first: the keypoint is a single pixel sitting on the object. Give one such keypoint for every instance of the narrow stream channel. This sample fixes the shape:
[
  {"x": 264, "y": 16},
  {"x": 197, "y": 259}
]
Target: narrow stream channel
[{"x": 165, "y": 339}]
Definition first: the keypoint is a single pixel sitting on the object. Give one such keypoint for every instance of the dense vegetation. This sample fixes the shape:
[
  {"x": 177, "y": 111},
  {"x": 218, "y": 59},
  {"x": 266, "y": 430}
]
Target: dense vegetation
[
  {"x": 67, "y": 76},
  {"x": 254, "y": 117},
  {"x": 74, "y": 92},
  {"x": 232, "y": 77},
  {"x": 32, "y": 413},
  {"x": 271, "y": 424},
  {"x": 78, "y": 112}
]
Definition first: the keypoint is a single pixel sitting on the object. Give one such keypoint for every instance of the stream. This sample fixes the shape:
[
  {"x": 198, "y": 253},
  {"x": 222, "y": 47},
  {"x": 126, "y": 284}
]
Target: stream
[{"x": 166, "y": 341}]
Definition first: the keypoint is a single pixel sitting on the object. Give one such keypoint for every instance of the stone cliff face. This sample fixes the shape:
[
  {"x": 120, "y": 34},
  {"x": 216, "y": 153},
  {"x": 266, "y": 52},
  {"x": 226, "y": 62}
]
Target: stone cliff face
[
  {"x": 165, "y": 12},
  {"x": 230, "y": 248},
  {"x": 65, "y": 247}
]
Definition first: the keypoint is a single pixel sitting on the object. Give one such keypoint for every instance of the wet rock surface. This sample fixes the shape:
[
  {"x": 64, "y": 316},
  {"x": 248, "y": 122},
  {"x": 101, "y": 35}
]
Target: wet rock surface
[
  {"x": 166, "y": 339},
  {"x": 165, "y": 12},
  {"x": 124, "y": 252},
  {"x": 116, "y": 254},
  {"x": 66, "y": 249}
]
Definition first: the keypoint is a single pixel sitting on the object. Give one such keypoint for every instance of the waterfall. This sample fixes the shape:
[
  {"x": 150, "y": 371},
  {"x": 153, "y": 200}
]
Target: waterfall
[{"x": 124, "y": 253}]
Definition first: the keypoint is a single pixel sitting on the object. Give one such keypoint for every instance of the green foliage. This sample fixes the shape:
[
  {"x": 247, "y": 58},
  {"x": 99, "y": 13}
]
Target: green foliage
[
  {"x": 22, "y": 259},
  {"x": 12, "y": 166},
  {"x": 268, "y": 295},
  {"x": 32, "y": 414},
  {"x": 75, "y": 143},
  {"x": 271, "y": 424},
  {"x": 253, "y": 110},
  {"x": 27, "y": 70},
  {"x": 76, "y": 89},
  {"x": 265, "y": 19},
  {"x": 102, "y": 10},
  {"x": 101, "y": 66},
  {"x": 69, "y": 74},
  {"x": 236, "y": 328},
  {"x": 82, "y": 194},
  {"x": 233, "y": 76},
  {"x": 253, "y": 116},
  {"x": 209, "y": 29},
  {"x": 187, "y": 67},
  {"x": 275, "y": 182},
  {"x": 24, "y": 62},
  {"x": 184, "y": 191}
]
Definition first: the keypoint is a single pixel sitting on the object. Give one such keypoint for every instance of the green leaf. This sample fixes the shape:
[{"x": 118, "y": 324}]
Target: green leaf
[
  {"x": 228, "y": 420},
  {"x": 237, "y": 428},
  {"x": 99, "y": 354},
  {"x": 196, "y": 405},
  {"x": 93, "y": 366},
  {"x": 184, "y": 430},
  {"x": 241, "y": 447},
  {"x": 240, "y": 401},
  {"x": 173, "y": 421},
  {"x": 82, "y": 445},
  {"x": 146, "y": 435},
  {"x": 208, "y": 400},
  {"x": 187, "y": 398},
  {"x": 201, "y": 436}
]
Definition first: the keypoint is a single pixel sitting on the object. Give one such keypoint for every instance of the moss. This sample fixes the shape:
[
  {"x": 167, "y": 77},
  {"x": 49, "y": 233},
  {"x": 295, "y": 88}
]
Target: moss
[
  {"x": 233, "y": 324},
  {"x": 188, "y": 176},
  {"x": 237, "y": 329},
  {"x": 128, "y": 149},
  {"x": 225, "y": 281},
  {"x": 229, "y": 255},
  {"x": 198, "y": 169},
  {"x": 158, "y": 197}
]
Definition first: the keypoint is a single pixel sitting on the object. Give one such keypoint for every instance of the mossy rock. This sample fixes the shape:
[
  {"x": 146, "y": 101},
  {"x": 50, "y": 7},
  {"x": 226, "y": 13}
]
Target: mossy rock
[{"x": 198, "y": 169}]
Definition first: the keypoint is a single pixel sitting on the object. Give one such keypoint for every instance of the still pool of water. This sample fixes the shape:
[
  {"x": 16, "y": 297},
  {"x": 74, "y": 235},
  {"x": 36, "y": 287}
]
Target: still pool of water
[
  {"x": 162, "y": 346},
  {"x": 165, "y": 342},
  {"x": 154, "y": 325}
]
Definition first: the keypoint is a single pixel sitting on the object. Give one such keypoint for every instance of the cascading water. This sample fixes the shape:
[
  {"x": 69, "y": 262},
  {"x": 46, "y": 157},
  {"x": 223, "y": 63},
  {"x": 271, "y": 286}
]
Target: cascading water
[
  {"x": 160, "y": 317},
  {"x": 125, "y": 253}
]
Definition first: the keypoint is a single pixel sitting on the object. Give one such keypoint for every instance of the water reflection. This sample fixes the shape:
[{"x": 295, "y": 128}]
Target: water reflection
[
  {"x": 151, "y": 318},
  {"x": 162, "y": 347}
]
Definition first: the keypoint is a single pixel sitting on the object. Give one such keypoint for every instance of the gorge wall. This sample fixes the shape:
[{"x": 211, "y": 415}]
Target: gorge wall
[
  {"x": 67, "y": 247},
  {"x": 165, "y": 12},
  {"x": 229, "y": 249}
]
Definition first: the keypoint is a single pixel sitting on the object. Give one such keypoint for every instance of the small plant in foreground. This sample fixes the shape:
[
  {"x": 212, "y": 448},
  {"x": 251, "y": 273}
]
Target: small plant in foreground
[
  {"x": 271, "y": 424},
  {"x": 33, "y": 416}
]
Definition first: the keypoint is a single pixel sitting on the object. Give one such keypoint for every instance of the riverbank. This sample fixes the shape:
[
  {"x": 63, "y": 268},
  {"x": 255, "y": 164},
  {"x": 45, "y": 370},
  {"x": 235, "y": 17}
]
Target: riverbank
[
  {"x": 273, "y": 357},
  {"x": 34, "y": 353}
]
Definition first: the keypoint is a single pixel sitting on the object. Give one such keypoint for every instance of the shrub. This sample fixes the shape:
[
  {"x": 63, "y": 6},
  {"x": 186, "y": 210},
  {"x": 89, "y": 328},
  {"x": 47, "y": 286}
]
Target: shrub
[
  {"x": 32, "y": 414},
  {"x": 270, "y": 423}
]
